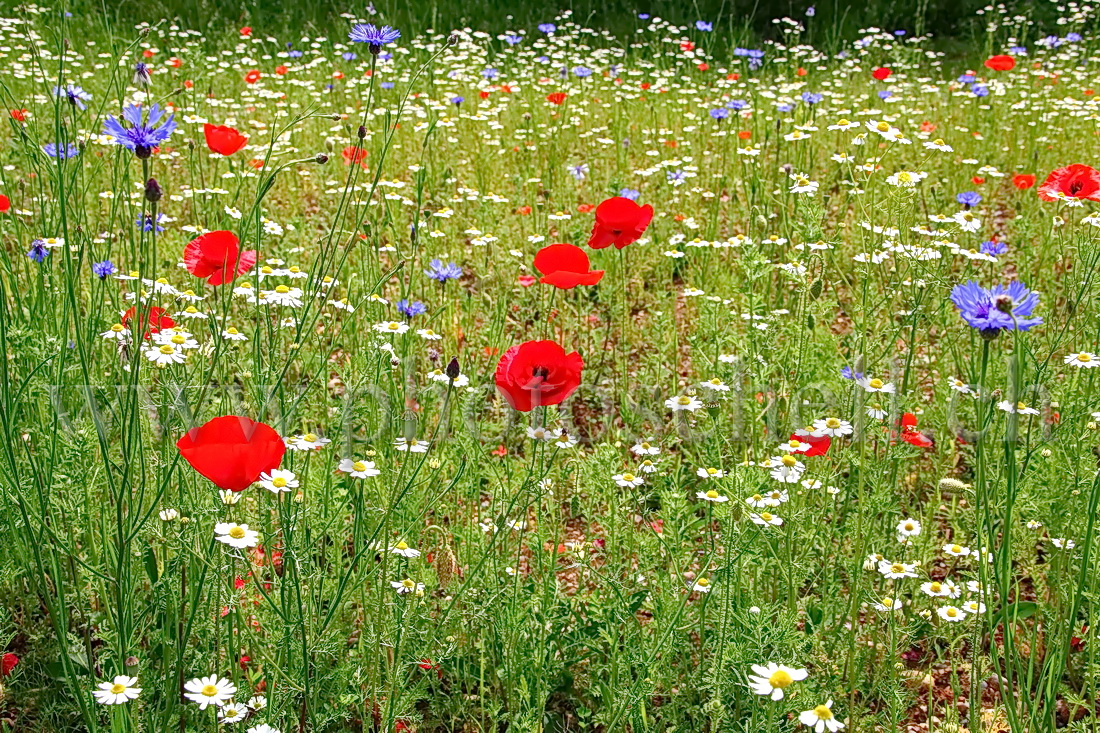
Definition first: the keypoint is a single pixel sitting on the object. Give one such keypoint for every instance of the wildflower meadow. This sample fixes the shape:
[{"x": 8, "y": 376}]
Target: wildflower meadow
[{"x": 379, "y": 376}]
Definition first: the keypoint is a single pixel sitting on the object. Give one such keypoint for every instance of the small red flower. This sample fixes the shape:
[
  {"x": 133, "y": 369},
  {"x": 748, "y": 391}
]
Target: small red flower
[
  {"x": 911, "y": 435},
  {"x": 1023, "y": 181},
  {"x": 882, "y": 73},
  {"x": 556, "y": 97},
  {"x": 5, "y": 203},
  {"x": 565, "y": 266},
  {"x": 175, "y": 63},
  {"x": 1076, "y": 181},
  {"x": 252, "y": 77},
  {"x": 217, "y": 257},
  {"x": 354, "y": 154},
  {"x": 232, "y": 451},
  {"x": 246, "y": 31},
  {"x": 977, "y": 180},
  {"x": 800, "y": 72},
  {"x": 524, "y": 210},
  {"x": 151, "y": 320},
  {"x": 1000, "y": 63},
  {"x": 500, "y": 451},
  {"x": 585, "y": 208},
  {"x": 538, "y": 373},
  {"x": 619, "y": 221},
  {"x": 223, "y": 140},
  {"x": 527, "y": 280},
  {"x": 745, "y": 135},
  {"x": 7, "y": 664},
  {"x": 19, "y": 115},
  {"x": 281, "y": 70}
]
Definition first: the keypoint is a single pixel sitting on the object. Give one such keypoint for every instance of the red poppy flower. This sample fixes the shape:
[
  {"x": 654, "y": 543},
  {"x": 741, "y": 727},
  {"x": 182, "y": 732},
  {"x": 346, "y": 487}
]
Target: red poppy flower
[
  {"x": 20, "y": 115},
  {"x": 5, "y": 203},
  {"x": 565, "y": 266},
  {"x": 7, "y": 664},
  {"x": 252, "y": 77},
  {"x": 281, "y": 70},
  {"x": 152, "y": 320},
  {"x": 1000, "y": 63},
  {"x": 223, "y": 140},
  {"x": 556, "y": 97},
  {"x": 1023, "y": 181},
  {"x": 1076, "y": 181},
  {"x": 175, "y": 63},
  {"x": 882, "y": 73},
  {"x": 232, "y": 451},
  {"x": 354, "y": 154},
  {"x": 819, "y": 444},
  {"x": 538, "y": 373},
  {"x": 217, "y": 257},
  {"x": 246, "y": 31},
  {"x": 911, "y": 435},
  {"x": 619, "y": 221}
]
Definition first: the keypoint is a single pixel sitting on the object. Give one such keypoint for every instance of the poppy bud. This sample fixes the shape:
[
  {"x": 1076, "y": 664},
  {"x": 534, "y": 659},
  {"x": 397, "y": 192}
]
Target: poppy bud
[
  {"x": 1004, "y": 303},
  {"x": 453, "y": 369},
  {"x": 153, "y": 192},
  {"x": 131, "y": 661},
  {"x": 362, "y": 132},
  {"x": 452, "y": 40},
  {"x": 321, "y": 158}
]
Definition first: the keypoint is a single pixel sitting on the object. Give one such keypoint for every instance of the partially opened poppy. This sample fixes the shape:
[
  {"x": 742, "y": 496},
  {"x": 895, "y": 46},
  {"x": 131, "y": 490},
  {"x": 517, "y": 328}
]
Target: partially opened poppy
[
  {"x": 556, "y": 97},
  {"x": 232, "y": 451},
  {"x": 1000, "y": 63},
  {"x": 619, "y": 221},
  {"x": 223, "y": 140},
  {"x": 1075, "y": 181},
  {"x": 538, "y": 373},
  {"x": 911, "y": 435},
  {"x": 565, "y": 266},
  {"x": 150, "y": 320},
  {"x": 882, "y": 73},
  {"x": 216, "y": 256}
]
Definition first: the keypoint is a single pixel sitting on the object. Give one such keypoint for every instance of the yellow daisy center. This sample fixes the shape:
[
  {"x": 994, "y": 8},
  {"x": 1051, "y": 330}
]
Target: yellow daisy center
[
  {"x": 781, "y": 679},
  {"x": 209, "y": 690},
  {"x": 236, "y": 533},
  {"x": 712, "y": 494},
  {"x": 823, "y": 713},
  {"x": 118, "y": 689}
]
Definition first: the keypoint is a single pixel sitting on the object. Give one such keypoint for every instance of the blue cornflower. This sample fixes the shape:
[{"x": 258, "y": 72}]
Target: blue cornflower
[
  {"x": 76, "y": 95},
  {"x": 994, "y": 248},
  {"x": 847, "y": 373},
  {"x": 411, "y": 308},
  {"x": 386, "y": 85},
  {"x": 1051, "y": 41},
  {"x": 966, "y": 78},
  {"x": 719, "y": 113},
  {"x": 643, "y": 16},
  {"x": 1018, "y": 51},
  {"x": 348, "y": 56},
  {"x": 295, "y": 54},
  {"x": 969, "y": 198},
  {"x": 69, "y": 151},
  {"x": 443, "y": 272},
  {"x": 885, "y": 94},
  {"x": 104, "y": 269},
  {"x": 457, "y": 100},
  {"x": 702, "y": 25},
  {"x": 900, "y": 33},
  {"x": 141, "y": 137},
  {"x": 38, "y": 251},
  {"x": 142, "y": 76},
  {"x": 582, "y": 71},
  {"x": 811, "y": 11},
  {"x": 675, "y": 177},
  {"x": 547, "y": 28},
  {"x": 1000, "y": 308},
  {"x": 579, "y": 171},
  {"x": 811, "y": 97},
  {"x": 490, "y": 73},
  {"x": 1073, "y": 37},
  {"x": 630, "y": 193},
  {"x": 145, "y": 221},
  {"x": 979, "y": 90},
  {"x": 373, "y": 36},
  {"x": 783, "y": 107},
  {"x": 737, "y": 104},
  {"x": 513, "y": 39}
]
